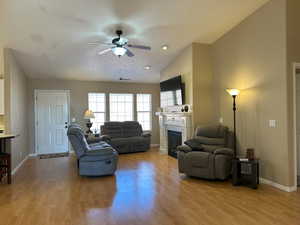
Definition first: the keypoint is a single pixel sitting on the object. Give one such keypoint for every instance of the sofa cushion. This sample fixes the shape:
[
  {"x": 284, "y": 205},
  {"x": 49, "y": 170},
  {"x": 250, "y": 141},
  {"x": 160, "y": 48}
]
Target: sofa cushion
[
  {"x": 131, "y": 129},
  {"x": 198, "y": 159},
  {"x": 211, "y": 148},
  {"x": 213, "y": 131},
  {"x": 210, "y": 141},
  {"x": 112, "y": 129}
]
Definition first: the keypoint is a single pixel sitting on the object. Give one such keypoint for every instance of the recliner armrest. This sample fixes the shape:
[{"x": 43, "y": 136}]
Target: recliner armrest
[
  {"x": 105, "y": 137},
  {"x": 146, "y": 134},
  {"x": 224, "y": 151},
  {"x": 184, "y": 148},
  {"x": 92, "y": 140},
  {"x": 97, "y": 152}
]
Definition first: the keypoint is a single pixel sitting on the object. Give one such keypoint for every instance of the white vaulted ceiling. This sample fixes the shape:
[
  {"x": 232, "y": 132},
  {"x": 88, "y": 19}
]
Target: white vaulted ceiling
[{"x": 50, "y": 37}]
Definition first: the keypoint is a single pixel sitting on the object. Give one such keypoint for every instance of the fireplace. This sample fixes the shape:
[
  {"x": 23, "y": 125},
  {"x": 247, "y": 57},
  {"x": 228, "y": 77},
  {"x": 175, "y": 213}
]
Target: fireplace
[{"x": 174, "y": 140}]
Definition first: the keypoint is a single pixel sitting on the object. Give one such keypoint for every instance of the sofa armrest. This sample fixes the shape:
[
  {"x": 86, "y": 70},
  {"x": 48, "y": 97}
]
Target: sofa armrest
[
  {"x": 184, "y": 148},
  {"x": 224, "y": 151},
  {"x": 146, "y": 134}
]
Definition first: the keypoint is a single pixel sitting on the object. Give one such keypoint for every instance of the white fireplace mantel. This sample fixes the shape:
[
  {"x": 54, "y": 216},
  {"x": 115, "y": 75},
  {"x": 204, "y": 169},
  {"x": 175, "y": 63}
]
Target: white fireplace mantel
[{"x": 174, "y": 121}]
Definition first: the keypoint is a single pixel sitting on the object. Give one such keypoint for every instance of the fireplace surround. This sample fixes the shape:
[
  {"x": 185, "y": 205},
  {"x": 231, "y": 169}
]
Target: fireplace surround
[{"x": 175, "y": 121}]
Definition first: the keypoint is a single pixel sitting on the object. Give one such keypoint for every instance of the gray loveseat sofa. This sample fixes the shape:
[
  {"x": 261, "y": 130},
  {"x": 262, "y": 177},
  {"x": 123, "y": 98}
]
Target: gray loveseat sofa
[
  {"x": 212, "y": 156},
  {"x": 96, "y": 158},
  {"x": 126, "y": 137}
]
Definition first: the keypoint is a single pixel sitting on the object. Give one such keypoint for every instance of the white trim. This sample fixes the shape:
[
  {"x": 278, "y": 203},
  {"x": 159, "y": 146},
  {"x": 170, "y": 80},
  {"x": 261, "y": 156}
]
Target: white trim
[
  {"x": 295, "y": 67},
  {"x": 278, "y": 186},
  {"x": 154, "y": 145},
  {"x": 36, "y": 92},
  {"x": 33, "y": 155},
  {"x": 19, "y": 166}
]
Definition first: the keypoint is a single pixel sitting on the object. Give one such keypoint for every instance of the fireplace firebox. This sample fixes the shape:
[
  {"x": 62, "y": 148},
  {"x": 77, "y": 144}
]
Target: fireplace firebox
[{"x": 174, "y": 140}]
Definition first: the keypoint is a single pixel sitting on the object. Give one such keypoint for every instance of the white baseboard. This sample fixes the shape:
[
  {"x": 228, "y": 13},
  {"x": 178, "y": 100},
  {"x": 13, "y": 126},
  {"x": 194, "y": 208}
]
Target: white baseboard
[
  {"x": 19, "y": 166},
  {"x": 279, "y": 186},
  {"x": 33, "y": 155},
  {"x": 154, "y": 145}
]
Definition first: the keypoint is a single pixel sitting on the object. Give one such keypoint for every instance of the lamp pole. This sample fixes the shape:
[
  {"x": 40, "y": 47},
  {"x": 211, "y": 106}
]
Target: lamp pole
[{"x": 234, "y": 124}]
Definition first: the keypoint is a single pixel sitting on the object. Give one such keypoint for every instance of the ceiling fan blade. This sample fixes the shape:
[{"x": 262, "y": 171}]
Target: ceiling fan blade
[
  {"x": 99, "y": 43},
  {"x": 140, "y": 47},
  {"x": 104, "y": 51},
  {"x": 129, "y": 53}
]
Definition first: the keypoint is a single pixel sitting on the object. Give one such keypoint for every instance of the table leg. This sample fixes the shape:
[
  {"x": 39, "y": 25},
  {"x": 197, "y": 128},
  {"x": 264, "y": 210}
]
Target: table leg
[{"x": 9, "y": 170}]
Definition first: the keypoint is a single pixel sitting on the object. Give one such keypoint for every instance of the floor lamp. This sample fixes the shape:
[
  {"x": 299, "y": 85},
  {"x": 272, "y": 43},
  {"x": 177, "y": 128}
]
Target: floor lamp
[{"x": 234, "y": 93}]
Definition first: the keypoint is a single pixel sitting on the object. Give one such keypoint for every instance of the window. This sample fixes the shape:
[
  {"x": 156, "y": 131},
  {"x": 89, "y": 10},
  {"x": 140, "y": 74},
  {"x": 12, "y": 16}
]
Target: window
[
  {"x": 121, "y": 107},
  {"x": 97, "y": 105},
  {"x": 143, "y": 105}
]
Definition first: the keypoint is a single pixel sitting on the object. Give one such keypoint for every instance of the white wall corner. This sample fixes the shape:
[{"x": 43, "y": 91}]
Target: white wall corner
[{"x": 278, "y": 186}]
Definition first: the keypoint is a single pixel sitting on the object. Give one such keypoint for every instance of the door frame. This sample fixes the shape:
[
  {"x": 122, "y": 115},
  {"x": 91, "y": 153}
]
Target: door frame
[
  {"x": 36, "y": 92},
  {"x": 295, "y": 67}
]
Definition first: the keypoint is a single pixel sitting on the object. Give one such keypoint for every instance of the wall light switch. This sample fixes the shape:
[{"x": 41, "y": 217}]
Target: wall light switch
[
  {"x": 272, "y": 123},
  {"x": 73, "y": 120}
]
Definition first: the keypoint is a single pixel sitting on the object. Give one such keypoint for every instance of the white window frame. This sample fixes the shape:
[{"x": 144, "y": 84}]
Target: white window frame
[
  {"x": 150, "y": 112},
  {"x": 110, "y": 105},
  {"x": 105, "y": 106}
]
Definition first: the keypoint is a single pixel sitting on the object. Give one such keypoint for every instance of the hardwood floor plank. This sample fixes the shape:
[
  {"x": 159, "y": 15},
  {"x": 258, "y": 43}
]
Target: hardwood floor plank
[{"x": 147, "y": 189}]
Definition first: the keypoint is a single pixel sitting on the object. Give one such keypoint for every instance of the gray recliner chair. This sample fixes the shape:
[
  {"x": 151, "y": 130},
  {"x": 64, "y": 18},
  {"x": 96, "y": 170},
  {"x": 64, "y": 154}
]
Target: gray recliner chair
[
  {"x": 212, "y": 155},
  {"x": 94, "y": 159}
]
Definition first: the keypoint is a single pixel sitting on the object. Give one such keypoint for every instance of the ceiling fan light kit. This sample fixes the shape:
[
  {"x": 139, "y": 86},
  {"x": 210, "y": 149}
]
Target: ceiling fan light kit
[
  {"x": 119, "y": 51},
  {"x": 120, "y": 45}
]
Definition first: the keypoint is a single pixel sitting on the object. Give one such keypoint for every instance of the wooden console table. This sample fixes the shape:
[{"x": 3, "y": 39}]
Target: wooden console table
[{"x": 5, "y": 157}]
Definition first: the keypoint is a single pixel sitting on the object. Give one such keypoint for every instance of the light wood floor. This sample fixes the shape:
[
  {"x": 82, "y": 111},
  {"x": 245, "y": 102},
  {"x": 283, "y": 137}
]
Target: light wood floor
[{"x": 146, "y": 190}]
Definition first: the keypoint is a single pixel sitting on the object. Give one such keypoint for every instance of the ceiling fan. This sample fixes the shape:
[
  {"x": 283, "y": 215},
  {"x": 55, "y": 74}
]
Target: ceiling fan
[{"x": 119, "y": 46}]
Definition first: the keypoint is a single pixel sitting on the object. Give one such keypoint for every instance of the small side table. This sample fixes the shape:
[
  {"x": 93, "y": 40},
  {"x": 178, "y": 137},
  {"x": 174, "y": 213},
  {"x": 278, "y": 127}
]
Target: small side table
[
  {"x": 5, "y": 158},
  {"x": 245, "y": 173}
]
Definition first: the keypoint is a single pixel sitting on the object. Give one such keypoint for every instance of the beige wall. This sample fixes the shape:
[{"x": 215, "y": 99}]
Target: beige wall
[
  {"x": 16, "y": 108},
  {"x": 182, "y": 65},
  {"x": 79, "y": 98},
  {"x": 202, "y": 84},
  {"x": 252, "y": 57},
  {"x": 194, "y": 64}
]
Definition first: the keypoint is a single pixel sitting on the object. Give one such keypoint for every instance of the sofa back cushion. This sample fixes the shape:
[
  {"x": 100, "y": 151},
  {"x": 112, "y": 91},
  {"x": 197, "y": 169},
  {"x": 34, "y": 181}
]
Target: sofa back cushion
[
  {"x": 132, "y": 129},
  {"x": 214, "y": 135},
  {"x": 112, "y": 129},
  {"x": 213, "y": 131}
]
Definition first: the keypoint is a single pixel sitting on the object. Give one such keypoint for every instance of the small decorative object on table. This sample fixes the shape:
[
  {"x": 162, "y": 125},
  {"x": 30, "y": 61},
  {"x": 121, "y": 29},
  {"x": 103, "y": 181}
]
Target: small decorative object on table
[
  {"x": 245, "y": 172},
  {"x": 88, "y": 115}
]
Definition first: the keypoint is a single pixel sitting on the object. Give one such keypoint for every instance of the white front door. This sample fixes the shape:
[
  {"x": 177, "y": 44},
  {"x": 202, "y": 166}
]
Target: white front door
[{"x": 52, "y": 117}]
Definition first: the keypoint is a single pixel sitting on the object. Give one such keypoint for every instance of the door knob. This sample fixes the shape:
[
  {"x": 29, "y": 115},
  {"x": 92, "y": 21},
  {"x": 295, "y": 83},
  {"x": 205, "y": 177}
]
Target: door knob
[
  {"x": 66, "y": 127},
  {"x": 66, "y": 123}
]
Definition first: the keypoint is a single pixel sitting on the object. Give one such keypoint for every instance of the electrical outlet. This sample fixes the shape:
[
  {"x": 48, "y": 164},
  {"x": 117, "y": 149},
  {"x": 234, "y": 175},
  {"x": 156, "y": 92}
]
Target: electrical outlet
[{"x": 73, "y": 120}]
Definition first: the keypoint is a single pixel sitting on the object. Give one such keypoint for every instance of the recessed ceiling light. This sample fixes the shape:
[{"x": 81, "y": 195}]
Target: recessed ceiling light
[
  {"x": 164, "y": 47},
  {"x": 147, "y": 67}
]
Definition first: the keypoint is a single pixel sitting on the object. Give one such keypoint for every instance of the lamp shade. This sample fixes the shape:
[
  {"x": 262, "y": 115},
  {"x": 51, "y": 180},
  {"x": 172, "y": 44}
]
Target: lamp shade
[
  {"x": 233, "y": 91},
  {"x": 89, "y": 115}
]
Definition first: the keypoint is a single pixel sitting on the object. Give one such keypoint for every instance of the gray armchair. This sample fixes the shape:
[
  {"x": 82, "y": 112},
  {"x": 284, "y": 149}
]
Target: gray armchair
[
  {"x": 96, "y": 158},
  {"x": 212, "y": 156}
]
